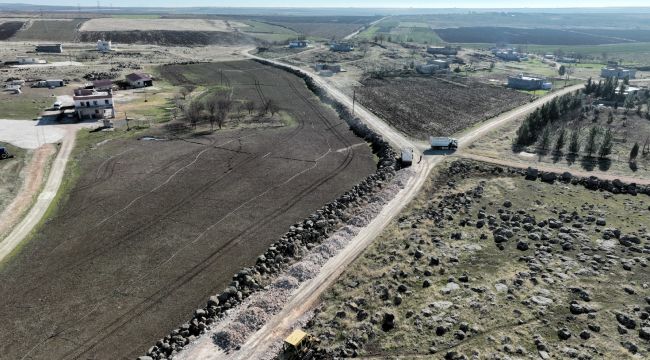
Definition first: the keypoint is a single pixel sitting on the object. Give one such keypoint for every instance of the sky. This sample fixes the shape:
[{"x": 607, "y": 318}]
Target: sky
[{"x": 348, "y": 3}]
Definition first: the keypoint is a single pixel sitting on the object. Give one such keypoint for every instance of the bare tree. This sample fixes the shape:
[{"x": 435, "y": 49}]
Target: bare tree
[
  {"x": 223, "y": 110},
  {"x": 193, "y": 112},
  {"x": 184, "y": 91},
  {"x": 211, "y": 106},
  {"x": 272, "y": 107},
  {"x": 250, "y": 106}
]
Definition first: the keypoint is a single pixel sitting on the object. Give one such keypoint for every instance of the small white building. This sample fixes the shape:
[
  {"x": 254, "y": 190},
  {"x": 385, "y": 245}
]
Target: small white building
[
  {"x": 139, "y": 80},
  {"x": 617, "y": 72},
  {"x": 104, "y": 46},
  {"x": 91, "y": 104},
  {"x": 30, "y": 61},
  {"x": 50, "y": 84}
]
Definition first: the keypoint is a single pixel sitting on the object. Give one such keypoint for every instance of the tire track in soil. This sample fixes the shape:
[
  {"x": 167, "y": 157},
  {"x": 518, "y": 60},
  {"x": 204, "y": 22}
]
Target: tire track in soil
[
  {"x": 235, "y": 240},
  {"x": 287, "y": 204}
]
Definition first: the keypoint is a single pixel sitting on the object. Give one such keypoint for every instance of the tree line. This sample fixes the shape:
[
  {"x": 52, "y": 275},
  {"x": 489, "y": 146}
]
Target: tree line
[{"x": 551, "y": 112}]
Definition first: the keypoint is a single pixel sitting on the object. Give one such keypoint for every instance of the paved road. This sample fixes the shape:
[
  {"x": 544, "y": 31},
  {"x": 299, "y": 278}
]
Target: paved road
[{"x": 307, "y": 295}]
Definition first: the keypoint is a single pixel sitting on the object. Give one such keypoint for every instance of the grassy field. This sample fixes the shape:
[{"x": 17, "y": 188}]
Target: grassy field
[
  {"x": 29, "y": 104},
  {"x": 407, "y": 31},
  {"x": 268, "y": 32},
  {"x": 11, "y": 178},
  {"x": 454, "y": 291}
]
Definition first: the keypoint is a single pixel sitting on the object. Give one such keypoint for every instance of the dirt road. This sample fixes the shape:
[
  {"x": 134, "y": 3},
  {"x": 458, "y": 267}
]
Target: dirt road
[
  {"x": 34, "y": 174},
  {"x": 44, "y": 199},
  {"x": 309, "y": 292}
]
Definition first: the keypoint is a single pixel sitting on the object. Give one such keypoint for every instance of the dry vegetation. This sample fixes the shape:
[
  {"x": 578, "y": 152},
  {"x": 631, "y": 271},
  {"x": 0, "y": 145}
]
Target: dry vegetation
[
  {"x": 122, "y": 24},
  {"x": 489, "y": 265}
]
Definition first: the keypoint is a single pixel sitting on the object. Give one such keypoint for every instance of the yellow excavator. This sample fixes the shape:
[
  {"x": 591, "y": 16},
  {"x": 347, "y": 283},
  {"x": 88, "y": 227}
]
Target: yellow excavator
[{"x": 298, "y": 346}]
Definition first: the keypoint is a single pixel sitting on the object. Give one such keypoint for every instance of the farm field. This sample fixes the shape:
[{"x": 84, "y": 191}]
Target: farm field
[
  {"x": 541, "y": 36},
  {"x": 487, "y": 264},
  {"x": 266, "y": 31},
  {"x": 423, "y": 106},
  {"x": 9, "y": 28},
  {"x": 50, "y": 30},
  {"x": 29, "y": 104},
  {"x": 130, "y": 24},
  {"x": 321, "y": 27},
  {"x": 150, "y": 229},
  {"x": 402, "y": 31}
]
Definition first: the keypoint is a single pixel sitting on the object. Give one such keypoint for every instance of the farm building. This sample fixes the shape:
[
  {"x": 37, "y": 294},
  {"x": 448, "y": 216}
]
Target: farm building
[
  {"x": 567, "y": 60},
  {"x": 52, "y": 83},
  {"x": 138, "y": 80},
  {"x": 49, "y": 48},
  {"x": 91, "y": 104},
  {"x": 102, "y": 85},
  {"x": 442, "y": 50},
  {"x": 298, "y": 44},
  {"x": 509, "y": 55},
  {"x": 104, "y": 46},
  {"x": 29, "y": 61},
  {"x": 521, "y": 82},
  {"x": 432, "y": 66},
  {"x": 343, "y": 47},
  {"x": 617, "y": 72}
]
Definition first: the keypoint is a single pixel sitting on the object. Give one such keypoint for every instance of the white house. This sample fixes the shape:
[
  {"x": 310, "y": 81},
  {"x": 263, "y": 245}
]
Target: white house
[
  {"x": 138, "y": 80},
  {"x": 104, "y": 46},
  {"x": 30, "y": 61},
  {"x": 91, "y": 104}
]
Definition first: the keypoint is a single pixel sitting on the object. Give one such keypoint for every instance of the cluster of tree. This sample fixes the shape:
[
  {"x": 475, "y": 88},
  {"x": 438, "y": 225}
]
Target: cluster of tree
[
  {"x": 218, "y": 108},
  {"x": 551, "y": 112},
  {"x": 605, "y": 89}
]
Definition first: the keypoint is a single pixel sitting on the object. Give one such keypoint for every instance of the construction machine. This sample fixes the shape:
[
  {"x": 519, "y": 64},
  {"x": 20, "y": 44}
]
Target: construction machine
[{"x": 298, "y": 346}]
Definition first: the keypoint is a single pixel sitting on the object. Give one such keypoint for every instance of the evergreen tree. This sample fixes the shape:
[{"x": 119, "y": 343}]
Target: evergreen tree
[
  {"x": 590, "y": 147},
  {"x": 574, "y": 144},
  {"x": 606, "y": 146},
  {"x": 634, "y": 152},
  {"x": 561, "y": 139}
]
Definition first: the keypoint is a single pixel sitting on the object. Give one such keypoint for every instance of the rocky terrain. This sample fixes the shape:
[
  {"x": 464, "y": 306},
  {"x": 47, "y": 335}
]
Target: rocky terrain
[{"x": 494, "y": 263}]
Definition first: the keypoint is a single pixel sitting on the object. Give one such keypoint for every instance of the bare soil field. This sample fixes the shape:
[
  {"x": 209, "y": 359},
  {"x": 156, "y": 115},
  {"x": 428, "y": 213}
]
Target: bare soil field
[
  {"x": 151, "y": 228},
  {"x": 8, "y": 29},
  {"x": 423, "y": 106},
  {"x": 125, "y": 24},
  {"x": 486, "y": 264},
  {"x": 50, "y": 30}
]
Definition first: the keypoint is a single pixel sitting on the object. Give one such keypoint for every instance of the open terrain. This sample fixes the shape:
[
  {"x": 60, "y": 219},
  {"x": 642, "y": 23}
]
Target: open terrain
[
  {"x": 486, "y": 263},
  {"x": 151, "y": 228},
  {"x": 12, "y": 173},
  {"x": 423, "y": 106},
  {"x": 59, "y": 30}
]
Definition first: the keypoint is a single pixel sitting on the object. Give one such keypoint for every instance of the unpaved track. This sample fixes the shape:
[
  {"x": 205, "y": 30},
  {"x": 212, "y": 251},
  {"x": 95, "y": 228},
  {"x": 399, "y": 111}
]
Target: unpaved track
[
  {"x": 34, "y": 174},
  {"x": 556, "y": 169},
  {"x": 44, "y": 200},
  {"x": 307, "y": 295}
]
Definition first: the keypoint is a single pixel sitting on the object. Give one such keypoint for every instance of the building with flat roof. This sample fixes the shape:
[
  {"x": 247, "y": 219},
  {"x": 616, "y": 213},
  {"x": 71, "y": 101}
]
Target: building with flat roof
[
  {"x": 617, "y": 72},
  {"x": 49, "y": 48},
  {"x": 343, "y": 47},
  {"x": 442, "y": 50},
  {"x": 522, "y": 82},
  {"x": 139, "y": 80},
  {"x": 92, "y": 104}
]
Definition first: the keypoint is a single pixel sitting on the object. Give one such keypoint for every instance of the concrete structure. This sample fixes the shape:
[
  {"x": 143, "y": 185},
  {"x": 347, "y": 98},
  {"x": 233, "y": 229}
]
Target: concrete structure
[
  {"x": 91, "y": 104},
  {"x": 139, "y": 80},
  {"x": 49, "y": 48},
  {"x": 30, "y": 61},
  {"x": 509, "y": 55},
  {"x": 104, "y": 46},
  {"x": 617, "y": 72},
  {"x": 567, "y": 60},
  {"x": 344, "y": 47},
  {"x": 102, "y": 85},
  {"x": 298, "y": 44},
  {"x": 442, "y": 50},
  {"x": 52, "y": 83},
  {"x": 521, "y": 82}
]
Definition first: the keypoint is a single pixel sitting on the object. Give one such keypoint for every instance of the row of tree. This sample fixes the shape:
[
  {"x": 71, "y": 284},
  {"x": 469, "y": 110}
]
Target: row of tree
[
  {"x": 606, "y": 89},
  {"x": 590, "y": 147},
  {"x": 551, "y": 112}
]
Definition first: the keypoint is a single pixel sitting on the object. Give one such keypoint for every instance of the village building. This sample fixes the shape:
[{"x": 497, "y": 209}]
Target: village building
[
  {"x": 298, "y": 44},
  {"x": 334, "y": 68},
  {"x": 139, "y": 80},
  {"x": 23, "y": 60},
  {"x": 442, "y": 50},
  {"x": 522, "y": 82},
  {"x": 92, "y": 104},
  {"x": 51, "y": 83},
  {"x": 104, "y": 46},
  {"x": 617, "y": 72},
  {"x": 102, "y": 85},
  {"x": 49, "y": 48},
  {"x": 341, "y": 47}
]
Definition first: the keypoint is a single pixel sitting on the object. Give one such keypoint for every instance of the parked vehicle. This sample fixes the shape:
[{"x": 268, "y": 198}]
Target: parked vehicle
[
  {"x": 57, "y": 105},
  {"x": 4, "y": 154},
  {"x": 407, "y": 156},
  {"x": 443, "y": 143}
]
